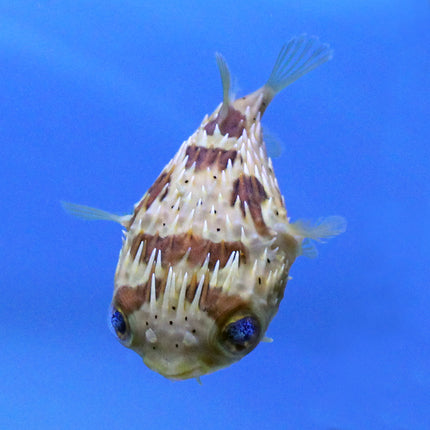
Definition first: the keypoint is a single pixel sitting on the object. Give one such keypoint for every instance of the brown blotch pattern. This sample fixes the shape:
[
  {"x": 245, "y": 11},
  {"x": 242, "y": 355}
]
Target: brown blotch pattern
[
  {"x": 233, "y": 123},
  {"x": 250, "y": 190},
  {"x": 130, "y": 299},
  {"x": 218, "y": 304},
  {"x": 208, "y": 157},
  {"x": 174, "y": 247}
]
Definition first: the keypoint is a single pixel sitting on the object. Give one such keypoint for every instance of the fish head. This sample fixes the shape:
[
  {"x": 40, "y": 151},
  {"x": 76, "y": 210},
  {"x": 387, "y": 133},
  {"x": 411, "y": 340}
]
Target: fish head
[{"x": 189, "y": 342}]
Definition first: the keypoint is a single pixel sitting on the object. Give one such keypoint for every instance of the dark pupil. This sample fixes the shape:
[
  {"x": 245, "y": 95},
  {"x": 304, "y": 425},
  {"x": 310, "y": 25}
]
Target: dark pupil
[
  {"x": 242, "y": 332},
  {"x": 118, "y": 322}
]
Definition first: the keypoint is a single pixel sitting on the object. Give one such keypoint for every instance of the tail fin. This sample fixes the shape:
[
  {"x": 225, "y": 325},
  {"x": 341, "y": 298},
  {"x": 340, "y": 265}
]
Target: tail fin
[{"x": 296, "y": 58}]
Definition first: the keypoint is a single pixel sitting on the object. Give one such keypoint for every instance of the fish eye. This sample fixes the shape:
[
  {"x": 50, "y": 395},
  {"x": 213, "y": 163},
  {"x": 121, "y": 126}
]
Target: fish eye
[
  {"x": 119, "y": 324},
  {"x": 241, "y": 335}
]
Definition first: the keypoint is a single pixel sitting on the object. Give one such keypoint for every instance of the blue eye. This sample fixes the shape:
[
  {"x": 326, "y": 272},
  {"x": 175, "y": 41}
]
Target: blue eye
[
  {"x": 119, "y": 323},
  {"x": 241, "y": 334}
]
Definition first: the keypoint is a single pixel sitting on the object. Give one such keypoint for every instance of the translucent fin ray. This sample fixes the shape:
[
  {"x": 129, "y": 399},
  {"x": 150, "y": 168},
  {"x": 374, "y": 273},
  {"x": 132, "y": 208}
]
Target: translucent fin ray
[
  {"x": 323, "y": 228},
  {"x": 296, "y": 58},
  {"x": 274, "y": 144},
  {"x": 89, "y": 213},
  {"x": 308, "y": 249}
]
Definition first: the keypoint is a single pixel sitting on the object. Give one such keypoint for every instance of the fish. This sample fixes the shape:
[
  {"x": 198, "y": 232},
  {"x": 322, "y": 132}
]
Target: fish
[{"x": 207, "y": 250}]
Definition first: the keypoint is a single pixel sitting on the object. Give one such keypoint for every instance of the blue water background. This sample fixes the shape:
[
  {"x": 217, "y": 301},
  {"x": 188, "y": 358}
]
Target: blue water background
[{"x": 95, "y": 98}]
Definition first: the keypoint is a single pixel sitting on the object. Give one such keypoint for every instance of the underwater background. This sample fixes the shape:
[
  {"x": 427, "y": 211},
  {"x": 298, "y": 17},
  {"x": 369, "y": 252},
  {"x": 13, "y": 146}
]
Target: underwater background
[{"x": 96, "y": 97}]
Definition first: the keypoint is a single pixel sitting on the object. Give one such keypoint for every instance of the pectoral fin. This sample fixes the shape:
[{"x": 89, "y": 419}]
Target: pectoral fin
[
  {"x": 89, "y": 213},
  {"x": 323, "y": 228}
]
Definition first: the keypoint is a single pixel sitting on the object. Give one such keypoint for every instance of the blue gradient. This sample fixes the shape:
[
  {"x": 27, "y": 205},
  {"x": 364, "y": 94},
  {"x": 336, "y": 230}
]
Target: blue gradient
[{"x": 95, "y": 99}]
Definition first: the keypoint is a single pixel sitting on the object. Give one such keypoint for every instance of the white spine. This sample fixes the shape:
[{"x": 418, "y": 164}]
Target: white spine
[
  {"x": 195, "y": 303},
  {"x": 214, "y": 277},
  {"x": 166, "y": 296},
  {"x": 152, "y": 297},
  {"x": 158, "y": 268},
  {"x": 148, "y": 269},
  {"x": 181, "y": 301}
]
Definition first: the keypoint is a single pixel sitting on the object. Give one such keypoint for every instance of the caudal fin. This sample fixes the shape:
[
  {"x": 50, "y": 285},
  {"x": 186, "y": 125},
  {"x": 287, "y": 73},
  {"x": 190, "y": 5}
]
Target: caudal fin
[{"x": 297, "y": 57}]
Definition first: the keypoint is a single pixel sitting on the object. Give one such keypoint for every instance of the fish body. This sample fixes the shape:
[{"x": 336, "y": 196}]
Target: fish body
[{"x": 208, "y": 249}]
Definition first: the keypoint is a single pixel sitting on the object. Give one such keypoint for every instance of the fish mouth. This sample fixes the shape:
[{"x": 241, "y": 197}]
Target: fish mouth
[
  {"x": 175, "y": 373},
  {"x": 188, "y": 374}
]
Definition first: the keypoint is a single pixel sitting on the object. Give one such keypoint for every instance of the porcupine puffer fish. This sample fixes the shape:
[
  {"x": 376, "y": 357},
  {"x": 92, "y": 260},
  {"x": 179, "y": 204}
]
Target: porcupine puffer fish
[{"x": 208, "y": 248}]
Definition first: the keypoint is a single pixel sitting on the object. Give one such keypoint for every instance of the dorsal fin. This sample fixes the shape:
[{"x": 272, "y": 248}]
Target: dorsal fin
[
  {"x": 229, "y": 120},
  {"x": 226, "y": 80}
]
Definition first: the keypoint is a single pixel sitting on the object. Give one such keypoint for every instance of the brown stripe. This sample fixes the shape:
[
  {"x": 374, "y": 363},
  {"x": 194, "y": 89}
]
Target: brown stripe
[
  {"x": 174, "y": 247},
  {"x": 129, "y": 299},
  {"x": 233, "y": 123},
  {"x": 208, "y": 157},
  {"x": 153, "y": 192},
  {"x": 156, "y": 188},
  {"x": 213, "y": 301},
  {"x": 250, "y": 190}
]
